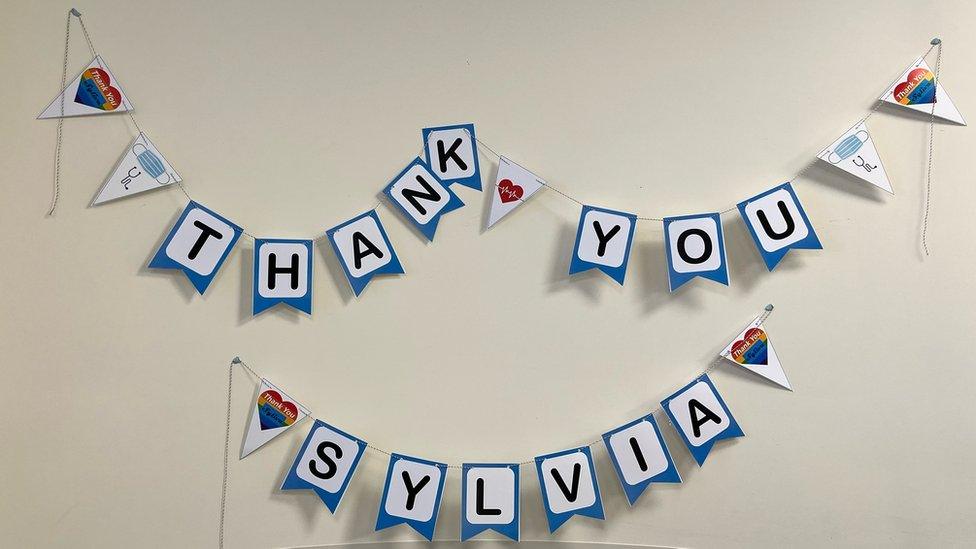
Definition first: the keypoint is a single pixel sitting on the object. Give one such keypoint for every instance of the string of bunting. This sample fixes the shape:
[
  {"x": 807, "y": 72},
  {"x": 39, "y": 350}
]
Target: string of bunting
[
  {"x": 490, "y": 495},
  {"x": 423, "y": 191}
]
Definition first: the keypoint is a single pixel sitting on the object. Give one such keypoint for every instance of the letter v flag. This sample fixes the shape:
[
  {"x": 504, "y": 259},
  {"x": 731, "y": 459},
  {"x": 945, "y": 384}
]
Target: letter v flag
[
  {"x": 94, "y": 91},
  {"x": 363, "y": 250},
  {"x": 421, "y": 197},
  {"x": 197, "y": 244},
  {"x": 695, "y": 247},
  {"x": 141, "y": 168},
  {"x": 854, "y": 152},
  {"x": 490, "y": 499},
  {"x": 412, "y": 494},
  {"x": 569, "y": 486},
  {"x": 917, "y": 89},
  {"x": 603, "y": 241},
  {"x": 778, "y": 224},
  {"x": 701, "y": 417},
  {"x": 282, "y": 274},
  {"x": 753, "y": 350},
  {"x": 325, "y": 463},
  {"x": 640, "y": 456},
  {"x": 274, "y": 413}
]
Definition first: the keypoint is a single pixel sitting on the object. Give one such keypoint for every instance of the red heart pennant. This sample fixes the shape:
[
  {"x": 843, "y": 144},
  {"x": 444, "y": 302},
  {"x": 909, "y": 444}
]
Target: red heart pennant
[{"x": 508, "y": 191}]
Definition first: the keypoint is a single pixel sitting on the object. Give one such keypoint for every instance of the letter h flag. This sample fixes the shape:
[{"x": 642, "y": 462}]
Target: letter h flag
[
  {"x": 412, "y": 494},
  {"x": 778, "y": 224},
  {"x": 569, "y": 487},
  {"x": 490, "y": 499},
  {"x": 282, "y": 274},
  {"x": 325, "y": 463},
  {"x": 363, "y": 250},
  {"x": 701, "y": 417},
  {"x": 640, "y": 456},
  {"x": 197, "y": 244}
]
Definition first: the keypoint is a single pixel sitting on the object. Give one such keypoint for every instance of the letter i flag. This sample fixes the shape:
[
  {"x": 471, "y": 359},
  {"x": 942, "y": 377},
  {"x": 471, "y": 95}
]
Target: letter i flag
[
  {"x": 855, "y": 153},
  {"x": 94, "y": 91},
  {"x": 513, "y": 187},
  {"x": 701, "y": 417},
  {"x": 197, "y": 244},
  {"x": 274, "y": 413},
  {"x": 325, "y": 463},
  {"x": 753, "y": 350},
  {"x": 412, "y": 494},
  {"x": 490, "y": 499},
  {"x": 917, "y": 89},
  {"x": 640, "y": 456}
]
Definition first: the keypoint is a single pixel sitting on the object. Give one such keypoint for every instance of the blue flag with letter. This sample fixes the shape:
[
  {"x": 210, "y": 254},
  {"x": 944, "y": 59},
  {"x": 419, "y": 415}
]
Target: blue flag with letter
[
  {"x": 364, "y": 250},
  {"x": 490, "y": 499},
  {"x": 451, "y": 153},
  {"x": 695, "y": 246},
  {"x": 640, "y": 456},
  {"x": 569, "y": 486},
  {"x": 325, "y": 463},
  {"x": 778, "y": 224},
  {"x": 603, "y": 241},
  {"x": 412, "y": 494},
  {"x": 701, "y": 417},
  {"x": 421, "y": 197},
  {"x": 282, "y": 274},
  {"x": 197, "y": 244}
]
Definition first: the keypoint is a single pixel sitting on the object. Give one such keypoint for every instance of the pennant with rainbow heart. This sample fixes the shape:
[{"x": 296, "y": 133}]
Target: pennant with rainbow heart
[
  {"x": 274, "y": 413},
  {"x": 752, "y": 350}
]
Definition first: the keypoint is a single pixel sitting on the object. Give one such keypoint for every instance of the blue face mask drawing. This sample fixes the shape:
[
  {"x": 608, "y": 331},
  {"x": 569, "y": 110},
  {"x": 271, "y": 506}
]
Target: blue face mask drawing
[
  {"x": 848, "y": 146},
  {"x": 151, "y": 163}
]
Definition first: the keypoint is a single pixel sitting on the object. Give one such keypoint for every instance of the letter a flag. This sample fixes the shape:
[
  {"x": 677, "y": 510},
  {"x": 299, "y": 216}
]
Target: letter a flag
[
  {"x": 490, "y": 499},
  {"x": 917, "y": 90},
  {"x": 141, "y": 168},
  {"x": 274, "y": 412},
  {"x": 513, "y": 187},
  {"x": 197, "y": 245},
  {"x": 640, "y": 456},
  {"x": 325, "y": 464},
  {"x": 412, "y": 494},
  {"x": 855, "y": 153},
  {"x": 695, "y": 247},
  {"x": 603, "y": 241},
  {"x": 94, "y": 91},
  {"x": 569, "y": 487},
  {"x": 778, "y": 224},
  {"x": 421, "y": 197},
  {"x": 753, "y": 350},
  {"x": 282, "y": 274},
  {"x": 701, "y": 417},
  {"x": 363, "y": 250}
]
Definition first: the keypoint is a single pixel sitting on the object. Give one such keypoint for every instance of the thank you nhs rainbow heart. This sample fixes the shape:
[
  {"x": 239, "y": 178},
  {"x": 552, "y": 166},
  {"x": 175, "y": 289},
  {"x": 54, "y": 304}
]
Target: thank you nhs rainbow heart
[
  {"x": 273, "y": 413},
  {"x": 753, "y": 351}
]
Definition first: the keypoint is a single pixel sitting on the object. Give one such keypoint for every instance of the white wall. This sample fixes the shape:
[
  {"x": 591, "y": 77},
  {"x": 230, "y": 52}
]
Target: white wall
[{"x": 289, "y": 118}]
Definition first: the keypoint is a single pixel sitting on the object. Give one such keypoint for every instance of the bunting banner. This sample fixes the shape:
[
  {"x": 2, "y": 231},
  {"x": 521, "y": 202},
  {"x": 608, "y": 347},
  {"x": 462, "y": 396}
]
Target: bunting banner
[
  {"x": 141, "y": 168},
  {"x": 197, "y": 244},
  {"x": 363, "y": 250},
  {"x": 854, "y": 152},
  {"x": 917, "y": 89},
  {"x": 753, "y": 350},
  {"x": 569, "y": 486},
  {"x": 490, "y": 499},
  {"x": 695, "y": 246},
  {"x": 701, "y": 417},
  {"x": 325, "y": 464},
  {"x": 778, "y": 224},
  {"x": 640, "y": 456},
  {"x": 513, "y": 186},
  {"x": 282, "y": 274},
  {"x": 274, "y": 413},
  {"x": 421, "y": 197},
  {"x": 94, "y": 91},
  {"x": 603, "y": 241},
  {"x": 412, "y": 494},
  {"x": 451, "y": 153}
]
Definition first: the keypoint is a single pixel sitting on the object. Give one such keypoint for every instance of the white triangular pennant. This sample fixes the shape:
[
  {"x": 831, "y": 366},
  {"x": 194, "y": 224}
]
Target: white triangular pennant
[
  {"x": 274, "y": 413},
  {"x": 914, "y": 91},
  {"x": 855, "y": 153},
  {"x": 94, "y": 91},
  {"x": 753, "y": 350},
  {"x": 513, "y": 186},
  {"x": 141, "y": 168}
]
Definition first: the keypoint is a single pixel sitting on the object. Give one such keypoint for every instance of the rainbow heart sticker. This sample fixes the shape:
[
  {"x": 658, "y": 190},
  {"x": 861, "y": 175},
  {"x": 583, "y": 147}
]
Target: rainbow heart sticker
[
  {"x": 752, "y": 348},
  {"x": 918, "y": 88},
  {"x": 94, "y": 90},
  {"x": 274, "y": 411}
]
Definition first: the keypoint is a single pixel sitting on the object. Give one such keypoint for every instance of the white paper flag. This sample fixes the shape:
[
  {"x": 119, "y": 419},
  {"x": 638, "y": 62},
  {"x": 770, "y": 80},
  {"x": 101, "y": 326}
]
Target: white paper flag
[
  {"x": 94, "y": 91},
  {"x": 513, "y": 186},
  {"x": 274, "y": 412},
  {"x": 141, "y": 168},
  {"x": 754, "y": 351},
  {"x": 855, "y": 153},
  {"x": 916, "y": 91}
]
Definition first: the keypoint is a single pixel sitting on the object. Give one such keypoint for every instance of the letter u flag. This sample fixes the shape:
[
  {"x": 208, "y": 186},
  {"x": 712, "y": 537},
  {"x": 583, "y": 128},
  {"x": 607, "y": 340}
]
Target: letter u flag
[
  {"x": 325, "y": 464},
  {"x": 197, "y": 244},
  {"x": 778, "y": 224},
  {"x": 412, "y": 494},
  {"x": 282, "y": 274},
  {"x": 569, "y": 487}
]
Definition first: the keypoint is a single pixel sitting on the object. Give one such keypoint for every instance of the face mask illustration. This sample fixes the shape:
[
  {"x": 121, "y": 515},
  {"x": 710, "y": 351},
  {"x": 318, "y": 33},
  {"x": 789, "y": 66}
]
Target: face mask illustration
[
  {"x": 151, "y": 164},
  {"x": 850, "y": 145}
]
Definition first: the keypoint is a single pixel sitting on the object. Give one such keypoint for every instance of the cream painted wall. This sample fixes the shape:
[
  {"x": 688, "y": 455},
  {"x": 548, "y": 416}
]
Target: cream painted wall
[{"x": 289, "y": 118}]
